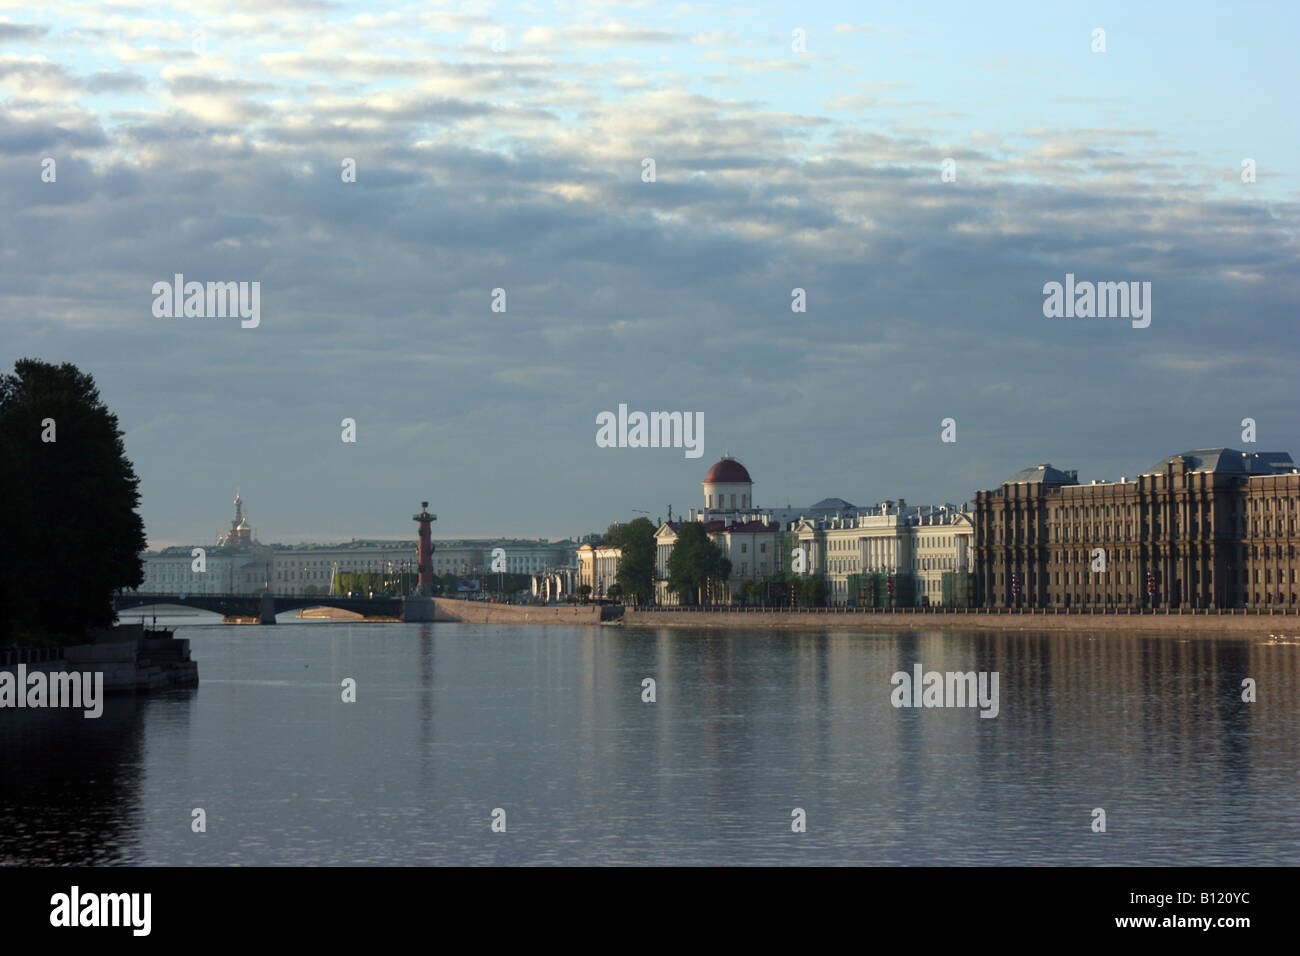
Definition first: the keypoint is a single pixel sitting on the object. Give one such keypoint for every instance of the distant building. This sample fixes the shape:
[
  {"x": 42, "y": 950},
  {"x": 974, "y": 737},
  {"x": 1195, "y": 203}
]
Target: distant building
[
  {"x": 236, "y": 564},
  {"x": 861, "y": 552},
  {"x": 892, "y": 555},
  {"x": 556, "y": 584},
  {"x": 240, "y": 534},
  {"x": 239, "y": 564},
  {"x": 1205, "y": 528},
  {"x": 598, "y": 568}
]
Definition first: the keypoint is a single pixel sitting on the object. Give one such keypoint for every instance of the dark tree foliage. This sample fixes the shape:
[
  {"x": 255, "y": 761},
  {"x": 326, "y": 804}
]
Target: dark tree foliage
[
  {"x": 636, "y": 563},
  {"x": 71, "y": 532},
  {"x": 695, "y": 560}
]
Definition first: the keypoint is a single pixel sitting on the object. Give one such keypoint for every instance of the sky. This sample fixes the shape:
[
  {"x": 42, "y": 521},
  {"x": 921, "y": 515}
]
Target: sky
[{"x": 502, "y": 146}]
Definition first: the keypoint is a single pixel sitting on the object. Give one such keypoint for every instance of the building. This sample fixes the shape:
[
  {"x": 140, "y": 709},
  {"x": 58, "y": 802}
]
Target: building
[
  {"x": 239, "y": 564},
  {"x": 1205, "y": 528},
  {"x": 597, "y": 569},
  {"x": 240, "y": 535},
  {"x": 236, "y": 564},
  {"x": 892, "y": 554},
  {"x": 556, "y": 584},
  {"x": 943, "y": 558},
  {"x": 888, "y": 553}
]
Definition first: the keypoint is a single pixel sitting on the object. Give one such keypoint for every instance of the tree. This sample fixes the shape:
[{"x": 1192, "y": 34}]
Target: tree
[
  {"x": 695, "y": 561},
  {"x": 809, "y": 591},
  {"x": 72, "y": 533},
  {"x": 584, "y": 591},
  {"x": 636, "y": 564}
]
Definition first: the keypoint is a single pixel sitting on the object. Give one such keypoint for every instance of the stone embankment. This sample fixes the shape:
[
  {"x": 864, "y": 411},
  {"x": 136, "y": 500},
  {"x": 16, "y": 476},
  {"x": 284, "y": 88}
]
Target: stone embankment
[
  {"x": 132, "y": 659},
  {"x": 485, "y": 612},
  {"x": 821, "y": 619}
]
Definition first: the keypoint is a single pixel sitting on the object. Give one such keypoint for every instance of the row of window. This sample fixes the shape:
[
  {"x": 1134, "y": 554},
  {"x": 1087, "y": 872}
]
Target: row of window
[
  {"x": 1059, "y": 599},
  {"x": 721, "y": 500}
]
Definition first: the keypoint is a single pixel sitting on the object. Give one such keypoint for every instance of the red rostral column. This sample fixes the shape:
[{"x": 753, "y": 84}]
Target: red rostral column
[{"x": 426, "y": 549}]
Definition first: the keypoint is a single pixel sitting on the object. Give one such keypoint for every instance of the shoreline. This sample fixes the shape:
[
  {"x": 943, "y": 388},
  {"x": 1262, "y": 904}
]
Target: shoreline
[{"x": 1261, "y": 625}]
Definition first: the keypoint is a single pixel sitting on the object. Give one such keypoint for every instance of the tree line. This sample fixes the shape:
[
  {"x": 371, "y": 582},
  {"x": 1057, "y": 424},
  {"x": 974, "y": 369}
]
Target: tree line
[{"x": 70, "y": 529}]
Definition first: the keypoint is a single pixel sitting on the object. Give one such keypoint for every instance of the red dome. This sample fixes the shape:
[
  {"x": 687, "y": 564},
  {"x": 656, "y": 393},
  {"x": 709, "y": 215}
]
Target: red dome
[{"x": 728, "y": 471}]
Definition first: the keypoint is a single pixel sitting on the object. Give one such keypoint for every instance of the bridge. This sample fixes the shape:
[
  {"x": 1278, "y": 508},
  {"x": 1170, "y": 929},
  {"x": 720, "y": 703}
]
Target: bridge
[{"x": 264, "y": 607}]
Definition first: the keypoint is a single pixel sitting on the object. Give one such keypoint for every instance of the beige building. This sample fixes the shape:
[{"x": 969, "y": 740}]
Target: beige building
[
  {"x": 912, "y": 546},
  {"x": 943, "y": 541},
  {"x": 597, "y": 568}
]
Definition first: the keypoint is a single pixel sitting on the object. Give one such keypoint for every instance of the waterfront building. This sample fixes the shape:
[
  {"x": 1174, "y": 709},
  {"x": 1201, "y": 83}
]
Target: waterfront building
[
  {"x": 236, "y": 564},
  {"x": 747, "y": 535},
  {"x": 556, "y": 584},
  {"x": 861, "y": 552},
  {"x": 1205, "y": 528},
  {"x": 598, "y": 568},
  {"x": 240, "y": 564},
  {"x": 892, "y": 554}
]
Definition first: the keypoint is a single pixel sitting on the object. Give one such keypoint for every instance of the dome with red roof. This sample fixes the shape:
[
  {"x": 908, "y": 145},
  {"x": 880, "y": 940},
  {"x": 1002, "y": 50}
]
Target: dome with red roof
[{"x": 729, "y": 471}]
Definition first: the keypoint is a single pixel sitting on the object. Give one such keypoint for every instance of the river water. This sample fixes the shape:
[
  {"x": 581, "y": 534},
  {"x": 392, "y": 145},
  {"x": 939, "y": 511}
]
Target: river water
[{"x": 452, "y": 722}]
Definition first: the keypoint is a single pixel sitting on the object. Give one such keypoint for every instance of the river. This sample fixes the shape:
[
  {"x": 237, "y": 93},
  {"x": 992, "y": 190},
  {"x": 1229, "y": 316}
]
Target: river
[{"x": 453, "y": 722}]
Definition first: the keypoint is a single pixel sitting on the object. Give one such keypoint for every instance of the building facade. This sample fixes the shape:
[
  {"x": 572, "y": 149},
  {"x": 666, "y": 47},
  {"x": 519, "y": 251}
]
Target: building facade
[
  {"x": 239, "y": 564},
  {"x": 556, "y": 584},
  {"x": 887, "y": 553},
  {"x": 892, "y": 555},
  {"x": 597, "y": 569},
  {"x": 1209, "y": 528}
]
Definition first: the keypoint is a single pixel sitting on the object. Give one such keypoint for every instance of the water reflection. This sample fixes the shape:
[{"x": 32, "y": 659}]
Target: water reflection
[{"x": 452, "y": 721}]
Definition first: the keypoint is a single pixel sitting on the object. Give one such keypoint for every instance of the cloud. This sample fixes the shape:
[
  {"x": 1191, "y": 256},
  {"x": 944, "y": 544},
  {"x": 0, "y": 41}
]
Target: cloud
[
  {"x": 522, "y": 171},
  {"x": 21, "y": 31}
]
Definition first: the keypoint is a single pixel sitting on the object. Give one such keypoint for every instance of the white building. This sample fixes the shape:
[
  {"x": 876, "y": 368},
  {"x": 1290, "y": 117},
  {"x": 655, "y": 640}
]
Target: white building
[
  {"x": 598, "y": 568},
  {"x": 239, "y": 564},
  {"x": 556, "y": 584},
  {"x": 839, "y": 540},
  {"x": 943, "y": 542}
]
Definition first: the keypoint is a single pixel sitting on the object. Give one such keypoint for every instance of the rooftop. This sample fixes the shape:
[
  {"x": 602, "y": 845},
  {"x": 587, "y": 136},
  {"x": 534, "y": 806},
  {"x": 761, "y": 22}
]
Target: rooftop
[
  {"x": 1043, "y": 474},
  {"x": 1228, "y": 460}
]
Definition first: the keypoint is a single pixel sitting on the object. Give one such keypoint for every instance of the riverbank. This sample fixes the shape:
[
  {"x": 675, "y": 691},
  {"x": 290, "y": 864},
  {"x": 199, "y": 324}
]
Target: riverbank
[
  {"x": 132, "y": 659},
  {"x": 485, "y": 612},
  {"x": 840, "y": 619}
]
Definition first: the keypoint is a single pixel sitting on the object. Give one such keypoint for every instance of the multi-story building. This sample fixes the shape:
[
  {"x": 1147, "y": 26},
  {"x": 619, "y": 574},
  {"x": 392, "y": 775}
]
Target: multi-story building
[
  {"x": 855, "y": 549},
  {"x": 943, "y": 558},
  {"x": 301, "y": 568},
  {"x": 236, "y": 564},
  {"x": 239, "y": 564},
  {"x": 598, "y": 568},
  {"x": 1205, "y": 528},
  {"x": 891, "y": 554},
  {"x": 747, "y": 535}
]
